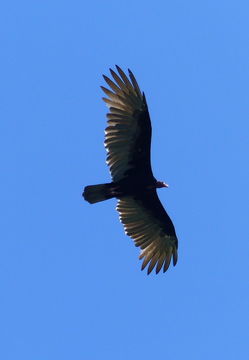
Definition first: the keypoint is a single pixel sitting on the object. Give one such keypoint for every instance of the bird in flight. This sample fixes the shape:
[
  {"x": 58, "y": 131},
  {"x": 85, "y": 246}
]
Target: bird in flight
[{"x": 128, "y": 144}]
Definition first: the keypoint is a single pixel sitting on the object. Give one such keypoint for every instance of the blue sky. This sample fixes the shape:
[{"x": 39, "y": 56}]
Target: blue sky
[{"x": 71, "y": 285}]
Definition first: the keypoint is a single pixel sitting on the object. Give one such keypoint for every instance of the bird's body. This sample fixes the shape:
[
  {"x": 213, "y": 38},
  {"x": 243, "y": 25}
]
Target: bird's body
[{"x": 128, "y": 142}]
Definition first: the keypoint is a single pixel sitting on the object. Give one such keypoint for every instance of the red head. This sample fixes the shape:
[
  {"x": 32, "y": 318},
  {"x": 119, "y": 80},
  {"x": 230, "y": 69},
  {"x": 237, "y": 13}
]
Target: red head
[{"x": 160, "y": 184}]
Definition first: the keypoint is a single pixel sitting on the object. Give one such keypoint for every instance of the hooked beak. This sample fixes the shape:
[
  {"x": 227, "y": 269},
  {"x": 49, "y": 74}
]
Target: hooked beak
[{"x": 165, "y": 185}]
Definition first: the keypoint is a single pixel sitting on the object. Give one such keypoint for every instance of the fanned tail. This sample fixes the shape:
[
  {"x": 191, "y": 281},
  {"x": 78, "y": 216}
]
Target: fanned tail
[{"x": 97, "y": 193}]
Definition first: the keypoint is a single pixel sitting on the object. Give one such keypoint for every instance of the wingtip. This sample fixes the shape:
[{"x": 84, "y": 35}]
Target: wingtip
[
  {"x": 175, "y": 257},
  {"x": 130, "y": 72},
  {"x": 104, "y": 76},
  {"x": 111, "y": 70},
  {"x": 149, "y": 271}
]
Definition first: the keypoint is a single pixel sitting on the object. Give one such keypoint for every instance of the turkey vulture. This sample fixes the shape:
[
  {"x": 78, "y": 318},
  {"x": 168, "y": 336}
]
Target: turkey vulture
[{"x": 127, "y": 141}]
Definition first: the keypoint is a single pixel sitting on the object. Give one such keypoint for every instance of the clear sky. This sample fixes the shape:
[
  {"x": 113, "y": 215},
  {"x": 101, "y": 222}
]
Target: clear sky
[{"x": 71, "y": 285}]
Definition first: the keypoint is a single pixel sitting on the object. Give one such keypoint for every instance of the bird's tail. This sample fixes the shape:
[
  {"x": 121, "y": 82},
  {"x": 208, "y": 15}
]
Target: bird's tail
[{"x": 96, "y": 193}]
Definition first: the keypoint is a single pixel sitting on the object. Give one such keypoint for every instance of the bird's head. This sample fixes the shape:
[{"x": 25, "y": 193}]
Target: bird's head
[{"x": 160, "y": 184}]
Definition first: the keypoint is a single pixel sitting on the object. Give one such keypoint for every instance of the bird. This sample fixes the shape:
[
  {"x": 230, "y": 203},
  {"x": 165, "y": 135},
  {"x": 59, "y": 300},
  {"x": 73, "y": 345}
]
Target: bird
[{"x": 128, "y": 144}]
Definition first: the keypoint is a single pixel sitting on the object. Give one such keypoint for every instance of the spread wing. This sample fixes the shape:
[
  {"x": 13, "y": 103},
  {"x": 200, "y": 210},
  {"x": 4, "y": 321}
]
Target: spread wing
[
  {"x": 128, "y": 134},
  {"x": 148, "y": 224}
]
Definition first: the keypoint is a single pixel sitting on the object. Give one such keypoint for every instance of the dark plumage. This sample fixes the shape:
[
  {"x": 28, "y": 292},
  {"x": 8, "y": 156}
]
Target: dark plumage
[{"x": 128, "y": 142}]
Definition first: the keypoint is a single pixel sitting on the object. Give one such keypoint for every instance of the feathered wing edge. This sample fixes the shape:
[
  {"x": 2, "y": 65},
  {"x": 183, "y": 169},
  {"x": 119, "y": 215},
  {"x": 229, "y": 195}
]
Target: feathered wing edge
[
  {"x": 157, "y": 246},
  {"x": 127, "y": 105}
]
